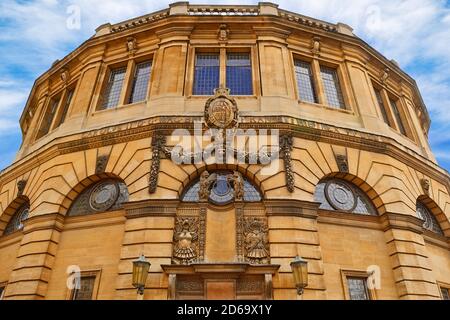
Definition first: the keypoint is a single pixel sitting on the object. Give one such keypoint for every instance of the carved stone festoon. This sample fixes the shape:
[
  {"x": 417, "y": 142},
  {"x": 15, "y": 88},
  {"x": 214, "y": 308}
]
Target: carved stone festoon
[
  {"x": 185, "y": 240},
  {"x": 286, "y": 146},
  {"x": 256, "y": 244},
  {"x": 158, "y": 144}
]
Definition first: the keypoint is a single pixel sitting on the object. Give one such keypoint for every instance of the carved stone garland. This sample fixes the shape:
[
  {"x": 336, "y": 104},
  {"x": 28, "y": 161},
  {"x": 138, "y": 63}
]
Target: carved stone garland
[
  {"x": 158, "y": 143},
  {"x": 286, "y": 146}
]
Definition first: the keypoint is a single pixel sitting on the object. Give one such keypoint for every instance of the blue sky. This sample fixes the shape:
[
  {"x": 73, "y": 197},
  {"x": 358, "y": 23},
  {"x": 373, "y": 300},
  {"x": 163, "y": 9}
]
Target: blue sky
[{"x": 34, "y": 33}]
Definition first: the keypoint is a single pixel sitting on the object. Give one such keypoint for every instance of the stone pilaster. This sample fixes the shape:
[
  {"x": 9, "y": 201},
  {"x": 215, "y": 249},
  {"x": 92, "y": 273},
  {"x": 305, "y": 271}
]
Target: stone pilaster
[
  {"x": 148, "y": 231},
  {"x": 293, "y": 231},
  {"x": 410, "y": 263},
  {"x": 35, "y": 258}
]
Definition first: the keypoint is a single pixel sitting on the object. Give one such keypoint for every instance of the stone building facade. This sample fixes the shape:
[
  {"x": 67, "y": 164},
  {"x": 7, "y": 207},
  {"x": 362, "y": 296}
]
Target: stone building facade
[{"x": 349, "y": 184}]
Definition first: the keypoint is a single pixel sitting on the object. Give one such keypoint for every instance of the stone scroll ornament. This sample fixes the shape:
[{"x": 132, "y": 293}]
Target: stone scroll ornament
[
  {"x": 256, "y": 244},
  {"x": 185, "y": 240},
  {"x": 158, "y": 147},
  {"x": 286, "y": 146}
]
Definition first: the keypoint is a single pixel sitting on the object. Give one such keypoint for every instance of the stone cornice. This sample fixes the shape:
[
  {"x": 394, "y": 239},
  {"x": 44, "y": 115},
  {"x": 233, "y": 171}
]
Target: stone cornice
[
  {"x": 306, "y": 129},
  {"x": 159, "y": 208},
  {"x": 390, "y": 220},
  {"x": 264, "y": 13},
  {"x": 290, "y": 207}
]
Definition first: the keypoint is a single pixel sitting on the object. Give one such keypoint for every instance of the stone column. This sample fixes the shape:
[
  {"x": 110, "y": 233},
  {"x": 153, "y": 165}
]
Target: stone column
[
  {"x": 410, "y": 263},
  {"x": 34, "y": 262}
]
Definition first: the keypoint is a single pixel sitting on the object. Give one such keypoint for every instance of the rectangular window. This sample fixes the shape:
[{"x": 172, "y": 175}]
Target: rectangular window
[
  {"x": 65, "y": 109},
  {"x": 48, "y": 117},
  {"x": 357, "y": 288},
  {"x": 332, "y": 87},
  {"x": 445, "y": 293},
  {"x": 379, "y": 96},
  {"x": 305, "y": 81},
  {"x": 239, "y": 74},
  {"x": 85, "y": 289},
  {"x": 398, "y": 117},
  {"x": 113, "y": 90},
  {"x": 141, "y": 79},
  {"x": 207, "y": 73}
]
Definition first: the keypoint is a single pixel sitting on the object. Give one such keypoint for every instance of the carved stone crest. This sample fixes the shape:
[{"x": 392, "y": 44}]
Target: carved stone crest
[
  {"x": 221, "y": 111},
  {"x": 425, "y": 183},
  {"x": 315, "y": 46},
  {"x": 256, "y": 244},
  {"x": 131, "y": 46},
  {"x": 223, "y": 33},
  {"x": 185, "y": 240}
]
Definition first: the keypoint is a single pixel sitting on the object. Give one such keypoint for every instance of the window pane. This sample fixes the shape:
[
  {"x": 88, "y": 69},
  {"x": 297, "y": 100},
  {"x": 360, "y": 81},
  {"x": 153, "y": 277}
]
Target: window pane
[
  {"x": 85, "y": 289},
  {"x": 16, "y": 221},
  {"x": 140, "y": 82},
  {"x": 382, "y": 106},
  {"x": 48, "y": 117},
  {"x": 398, "y": 117},
  {"x": 206, "y": 77},
  {"x": 239, "y": 74},
  {"x": 66, "y": 107},
  {"x": 358, "y": 289},
  {"x": 305, "y": 81},
  {"x": 429, "y": 220},
  {"x": 332, "y": 88},
  {"x": 445, "y": 294},
  {"x": 114, "y": 88}
]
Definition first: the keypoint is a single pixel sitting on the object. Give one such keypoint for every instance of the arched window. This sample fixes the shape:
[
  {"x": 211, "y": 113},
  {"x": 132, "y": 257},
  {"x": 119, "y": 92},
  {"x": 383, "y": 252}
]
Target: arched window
[
  {"x": 429, "y": 220},
  {"x": 16, "y": 221},
  {"x": 222, "y": 191},
  {"x": 340, "y": 195},
  {"x": 105, "y": 195}
]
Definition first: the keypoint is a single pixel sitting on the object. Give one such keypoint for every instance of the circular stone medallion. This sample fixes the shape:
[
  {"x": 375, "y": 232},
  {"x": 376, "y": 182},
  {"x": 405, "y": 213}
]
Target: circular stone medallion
[
  {"x": 340, "y": 196},
  {"x": 103, "y": 196}
]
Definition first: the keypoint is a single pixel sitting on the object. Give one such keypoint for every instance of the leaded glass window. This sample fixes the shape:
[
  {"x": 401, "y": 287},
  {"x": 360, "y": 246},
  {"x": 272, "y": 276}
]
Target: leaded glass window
[
  {"x": 305, "y": 81},
  {"x": 84, "y": 288},
  {"x": 332, "y": 87},
  {"x": 222, "y": 191},
  {"x": 239, "y": 74},
  {"x": 380, "y": 101},
  {"x": 357, "y": 288},
  {"x": 398, "y": 117},
  {"x": 445, "y": 293},
  {"x": 140, "y": 82},
  {"x": 429, "y": 220},
  {"x": 48, "y": 117},
  {"x": 113, "y": 90},
  {"x": 66, "y": 106},
  {"x": 17, "y": 219},
  {"x": 106, "y": 195},
  {"x": 207, "y": 73},
  {"x": 336, "y": 194}
]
